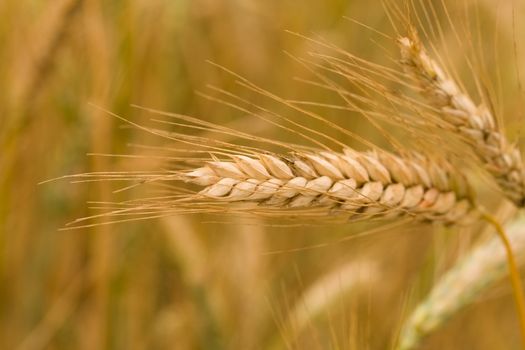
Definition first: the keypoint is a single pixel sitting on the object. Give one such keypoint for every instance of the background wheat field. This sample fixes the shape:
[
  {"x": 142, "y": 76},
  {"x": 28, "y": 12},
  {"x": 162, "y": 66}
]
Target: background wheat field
[{"x": 200, "y": 281}]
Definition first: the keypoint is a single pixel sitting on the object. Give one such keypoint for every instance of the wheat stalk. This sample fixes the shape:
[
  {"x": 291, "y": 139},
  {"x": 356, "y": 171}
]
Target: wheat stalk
[
  {"x": 462, "y": 285},
  {"x": 475, "y": 123},
  {"x": 369, "y": 183}
]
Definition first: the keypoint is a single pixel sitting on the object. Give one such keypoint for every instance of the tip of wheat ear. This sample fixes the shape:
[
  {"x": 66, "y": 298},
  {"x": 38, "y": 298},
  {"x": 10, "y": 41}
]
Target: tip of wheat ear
[
  {"x": 356, "y": 183},
  {"x": 474, "y": 123}
]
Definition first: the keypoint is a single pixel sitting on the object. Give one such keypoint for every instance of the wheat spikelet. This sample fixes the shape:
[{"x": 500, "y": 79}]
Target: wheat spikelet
[
  {"x": 369, "y": 183},
  {"x": 467, "y": 280},
  {"x": 475, "y": 123}
]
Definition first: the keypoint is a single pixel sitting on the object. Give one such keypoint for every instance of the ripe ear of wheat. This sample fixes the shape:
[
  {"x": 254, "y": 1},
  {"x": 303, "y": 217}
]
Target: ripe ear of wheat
[
  {"x": 474, "y": 123},
  {"x": 355, "y": 183}
]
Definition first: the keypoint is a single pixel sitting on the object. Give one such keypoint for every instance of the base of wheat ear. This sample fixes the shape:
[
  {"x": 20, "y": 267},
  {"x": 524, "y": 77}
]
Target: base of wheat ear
[{"x": 359, "y": 184}]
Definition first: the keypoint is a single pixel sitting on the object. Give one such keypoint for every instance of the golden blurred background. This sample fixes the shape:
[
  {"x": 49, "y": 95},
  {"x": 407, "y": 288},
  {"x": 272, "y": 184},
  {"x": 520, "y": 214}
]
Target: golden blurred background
[{"x": 190, "y": 282}]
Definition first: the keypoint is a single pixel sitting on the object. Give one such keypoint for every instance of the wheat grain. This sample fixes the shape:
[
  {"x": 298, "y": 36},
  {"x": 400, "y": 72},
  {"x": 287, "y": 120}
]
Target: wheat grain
[
  {"x": 475, "y": 123},
  {"x": 360, "y": 183}
]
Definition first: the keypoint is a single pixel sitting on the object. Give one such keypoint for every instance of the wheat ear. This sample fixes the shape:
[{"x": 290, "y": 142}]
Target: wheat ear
[
  {"x": 461, "y": 286},
  {"x": 475, "y": 123},
  {"x": 360, "y": 183}
]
